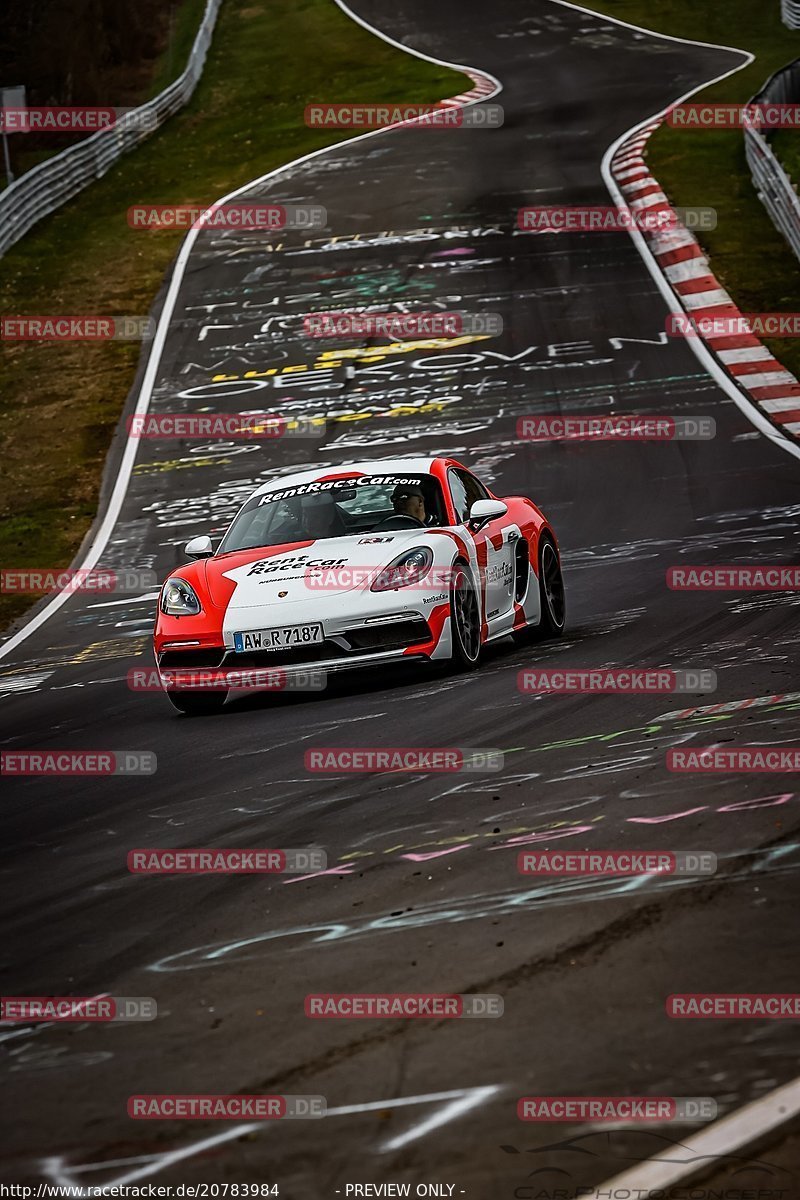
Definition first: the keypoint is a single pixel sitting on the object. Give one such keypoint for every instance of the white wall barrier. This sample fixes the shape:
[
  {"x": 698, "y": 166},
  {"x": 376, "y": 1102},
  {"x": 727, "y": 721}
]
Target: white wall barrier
[
  {"x": 790, "y": 11},
  {"x": 775, "y": 189}
]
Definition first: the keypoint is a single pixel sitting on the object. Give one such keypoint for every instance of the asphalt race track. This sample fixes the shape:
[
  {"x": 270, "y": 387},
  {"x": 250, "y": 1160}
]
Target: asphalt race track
[{"x": 426, "y": 896}]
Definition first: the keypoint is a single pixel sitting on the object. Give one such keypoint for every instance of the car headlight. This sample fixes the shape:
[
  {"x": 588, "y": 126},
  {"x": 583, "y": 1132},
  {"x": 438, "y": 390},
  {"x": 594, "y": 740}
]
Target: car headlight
[
  {"x": 407, "y": 569},
  {"x": 179, "y": 599}
]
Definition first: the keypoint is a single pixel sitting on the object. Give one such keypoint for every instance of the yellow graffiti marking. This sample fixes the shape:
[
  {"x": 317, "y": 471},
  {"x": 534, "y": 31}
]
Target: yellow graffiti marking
[
  {"x": 179, "y": 464},
  {"x": 333, "y": 358},
  {"x": 376, "y": 353},
  {"x": 114, "y": 648}
]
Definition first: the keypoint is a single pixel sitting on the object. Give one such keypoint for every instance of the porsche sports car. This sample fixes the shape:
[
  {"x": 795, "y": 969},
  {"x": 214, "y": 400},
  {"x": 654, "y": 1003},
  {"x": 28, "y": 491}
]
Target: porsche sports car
[{"x": 357, "y": 566}]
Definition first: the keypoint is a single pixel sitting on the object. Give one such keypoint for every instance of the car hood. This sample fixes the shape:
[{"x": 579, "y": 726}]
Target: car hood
[{"x": 305, "y": 570}]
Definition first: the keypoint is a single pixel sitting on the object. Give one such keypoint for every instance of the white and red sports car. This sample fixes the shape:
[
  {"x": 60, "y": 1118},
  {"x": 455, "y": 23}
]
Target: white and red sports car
[{"x": 357, "y": 566}]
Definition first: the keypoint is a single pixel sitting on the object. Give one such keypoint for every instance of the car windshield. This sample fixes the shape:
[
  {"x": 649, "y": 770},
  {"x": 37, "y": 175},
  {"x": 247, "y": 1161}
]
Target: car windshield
[{"x": 336, "y": 508}]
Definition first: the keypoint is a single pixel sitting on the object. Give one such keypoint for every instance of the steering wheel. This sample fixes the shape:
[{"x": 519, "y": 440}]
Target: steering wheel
[{"x": 401, "y": 521}]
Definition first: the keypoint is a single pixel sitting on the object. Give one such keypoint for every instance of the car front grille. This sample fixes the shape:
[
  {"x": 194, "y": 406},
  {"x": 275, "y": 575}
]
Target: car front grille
[
  {"x": 192, "y": 659},
  {"x": 363, "y": 639},
  {"x": 388, "y": 637}
]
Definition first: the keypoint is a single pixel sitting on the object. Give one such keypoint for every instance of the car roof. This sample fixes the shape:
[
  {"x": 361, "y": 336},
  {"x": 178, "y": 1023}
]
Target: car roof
[{"x": 376, "y": 466}]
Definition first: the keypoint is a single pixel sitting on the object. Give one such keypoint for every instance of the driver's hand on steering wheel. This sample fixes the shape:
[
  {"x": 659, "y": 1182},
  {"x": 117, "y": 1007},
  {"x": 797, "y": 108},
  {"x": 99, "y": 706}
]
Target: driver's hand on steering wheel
[{"x": 401, "y": 521}]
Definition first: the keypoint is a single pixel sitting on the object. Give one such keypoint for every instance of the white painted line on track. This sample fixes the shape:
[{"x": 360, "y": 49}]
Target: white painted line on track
[
  {"x": 452, "y": 1105},
  {"x": 748, "y": 1124}
]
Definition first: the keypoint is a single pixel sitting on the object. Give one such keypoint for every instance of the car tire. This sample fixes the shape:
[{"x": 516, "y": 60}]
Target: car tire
[
  {"x": 552, "y": 603},
  {"x": 465, "y": 621},
  {"x": 198, "y": 704}
]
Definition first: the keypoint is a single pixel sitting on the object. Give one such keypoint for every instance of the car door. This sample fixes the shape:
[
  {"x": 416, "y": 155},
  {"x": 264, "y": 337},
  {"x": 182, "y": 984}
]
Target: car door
[{"x": 496, "y": 546}]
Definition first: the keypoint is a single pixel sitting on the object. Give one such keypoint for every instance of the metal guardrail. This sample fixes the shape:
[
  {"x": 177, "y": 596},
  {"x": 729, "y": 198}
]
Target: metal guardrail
[
  {"x": 50, "y": 184},
  {"x": 775, "y": 189},
  {"x": 790, "y": 11}
]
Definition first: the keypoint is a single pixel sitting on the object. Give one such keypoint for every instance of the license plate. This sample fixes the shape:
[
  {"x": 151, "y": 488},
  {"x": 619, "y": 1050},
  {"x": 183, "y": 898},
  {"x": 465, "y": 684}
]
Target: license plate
[{"x": 286, "y": 637}]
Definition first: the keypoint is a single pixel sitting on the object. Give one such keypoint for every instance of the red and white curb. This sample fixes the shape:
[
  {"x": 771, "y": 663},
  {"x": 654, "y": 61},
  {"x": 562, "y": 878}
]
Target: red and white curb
[
  {"x": 485, "y": 86},
  {"x": 706, "y": 710},
  {"x": 743, "y": 357}
]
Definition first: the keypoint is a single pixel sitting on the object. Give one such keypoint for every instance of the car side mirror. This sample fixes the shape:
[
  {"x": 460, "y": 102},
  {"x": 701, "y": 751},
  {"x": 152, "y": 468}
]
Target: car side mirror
[
  {"x": 199, "y": 547},
  {"x": 484, "y": 511}
]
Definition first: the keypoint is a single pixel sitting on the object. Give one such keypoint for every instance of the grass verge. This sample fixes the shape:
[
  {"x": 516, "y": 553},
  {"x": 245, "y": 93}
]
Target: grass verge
[
  {"x": 60, "y": 402},
  {"x": 704, "y": 167}
]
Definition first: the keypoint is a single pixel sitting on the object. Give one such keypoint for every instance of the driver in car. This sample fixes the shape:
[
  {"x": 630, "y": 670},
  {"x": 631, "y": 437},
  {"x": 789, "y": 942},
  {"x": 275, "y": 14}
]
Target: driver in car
[{"x": 408, "y": 500}]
